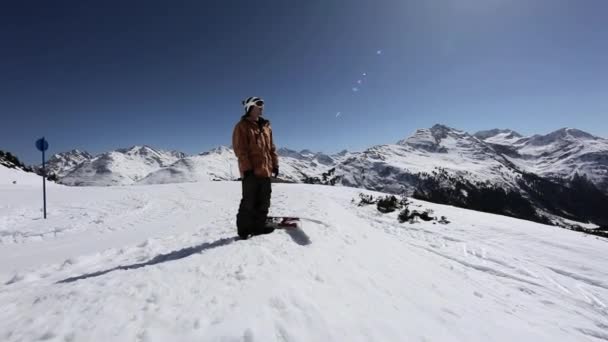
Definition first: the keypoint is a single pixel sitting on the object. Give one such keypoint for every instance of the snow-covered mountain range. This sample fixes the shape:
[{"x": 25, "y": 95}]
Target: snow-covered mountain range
[
  {"x": 120, "y": 167},
  {"x": 397, "y": 167},
  {"x": 145, "y": 165},
  {"x": 217, "y": 164},
  {"x": 221, "y": 163},
  {"x": 300, "y": 166},
  {"x": 560, "y": 154},
  {"x": 495, "y": 156},
  {"x": 61, "y": 164}
]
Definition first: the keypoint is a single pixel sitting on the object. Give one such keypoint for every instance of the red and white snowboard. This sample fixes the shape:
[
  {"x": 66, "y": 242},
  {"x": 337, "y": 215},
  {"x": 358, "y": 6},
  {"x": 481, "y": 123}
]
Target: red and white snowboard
[{"x": 283, "y": 222}]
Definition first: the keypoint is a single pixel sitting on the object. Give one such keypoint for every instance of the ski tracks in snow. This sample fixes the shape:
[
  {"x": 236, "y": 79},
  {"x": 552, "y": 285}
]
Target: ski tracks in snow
[{"x": 530, "y": 272}]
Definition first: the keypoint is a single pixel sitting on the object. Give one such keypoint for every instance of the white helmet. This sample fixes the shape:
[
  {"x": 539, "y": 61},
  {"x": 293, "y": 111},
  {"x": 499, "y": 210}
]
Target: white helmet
[{"x": 252, "y": 101}]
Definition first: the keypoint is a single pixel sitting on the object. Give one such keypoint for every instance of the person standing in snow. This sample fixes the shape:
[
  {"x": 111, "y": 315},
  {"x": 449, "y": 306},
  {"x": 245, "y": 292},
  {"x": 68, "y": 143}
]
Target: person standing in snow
[{"x": 258, "y": 161}]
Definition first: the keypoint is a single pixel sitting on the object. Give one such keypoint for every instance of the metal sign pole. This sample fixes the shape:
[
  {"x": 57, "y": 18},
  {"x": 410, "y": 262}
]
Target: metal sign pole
[
  {"x": 42, "y": 145},
  {"x": 44, "y": 183}
]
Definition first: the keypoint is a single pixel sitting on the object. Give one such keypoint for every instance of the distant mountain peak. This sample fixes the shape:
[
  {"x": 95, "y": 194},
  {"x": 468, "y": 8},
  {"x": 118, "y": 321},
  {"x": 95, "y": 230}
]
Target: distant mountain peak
[
  {"x": 218, "y": 150},
  {"x": 442, "y": 127},
  {"x": 137, "y": 149},
  {"x": 222, "y": 148},
  {"x": 504, "y": 133},
  {"x": 75, "y": 153},
  {"x": 429, "y": 139},
  {"x": 63, "y": 163},
  {"x": 286, "y": 152},
  {"x": 440, "y": 131},
  {"x": 342, "y": 153},
  {"x": 561, "y": 136},
  {"x": 573, "y": 133}
]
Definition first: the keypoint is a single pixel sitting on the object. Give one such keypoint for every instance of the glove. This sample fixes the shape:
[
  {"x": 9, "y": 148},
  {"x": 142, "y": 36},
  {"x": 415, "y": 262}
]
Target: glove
[
  {"x": 275, "y": 172},
  {"x": 247, "y": 173}
]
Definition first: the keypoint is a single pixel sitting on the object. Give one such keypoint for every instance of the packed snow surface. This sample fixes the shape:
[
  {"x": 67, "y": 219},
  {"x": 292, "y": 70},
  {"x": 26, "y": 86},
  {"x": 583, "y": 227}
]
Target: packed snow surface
[
  {"x": 16, "y": 176},
  {"x": 160, "y": 263}
]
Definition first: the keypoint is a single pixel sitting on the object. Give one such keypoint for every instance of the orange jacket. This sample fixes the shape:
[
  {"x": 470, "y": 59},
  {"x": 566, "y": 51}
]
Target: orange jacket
[{"x": 254, "y": 147}]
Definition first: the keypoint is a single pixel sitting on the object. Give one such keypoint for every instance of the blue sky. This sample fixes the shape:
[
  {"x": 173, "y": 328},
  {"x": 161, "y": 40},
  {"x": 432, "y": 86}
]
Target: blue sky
[{"x": 107, "y": 74}]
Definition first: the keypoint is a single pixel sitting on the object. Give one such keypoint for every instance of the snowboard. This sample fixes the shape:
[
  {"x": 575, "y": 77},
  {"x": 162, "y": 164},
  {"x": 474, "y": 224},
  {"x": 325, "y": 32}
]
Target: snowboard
[{"x": 283, "y": 222}]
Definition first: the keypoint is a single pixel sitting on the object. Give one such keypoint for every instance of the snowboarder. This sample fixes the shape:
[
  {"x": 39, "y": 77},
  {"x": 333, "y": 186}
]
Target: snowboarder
[{"x": 258, "y": 161}]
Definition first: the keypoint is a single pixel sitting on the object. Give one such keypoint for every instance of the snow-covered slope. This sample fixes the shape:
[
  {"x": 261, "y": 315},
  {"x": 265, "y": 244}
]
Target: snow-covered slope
[
  {"x": 12, "y": 171},
  {"x": 561, "y": 154},
  {"x": 121, "y": 167},
  {"x": 61, "y": 164},
  {"x": 16, "y": 176},
  {"x": 159, "y": 263}
]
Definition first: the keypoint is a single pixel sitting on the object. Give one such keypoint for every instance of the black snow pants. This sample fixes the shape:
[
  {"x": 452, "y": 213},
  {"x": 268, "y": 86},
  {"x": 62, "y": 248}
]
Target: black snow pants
[{"x": 251, "y": 218}]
